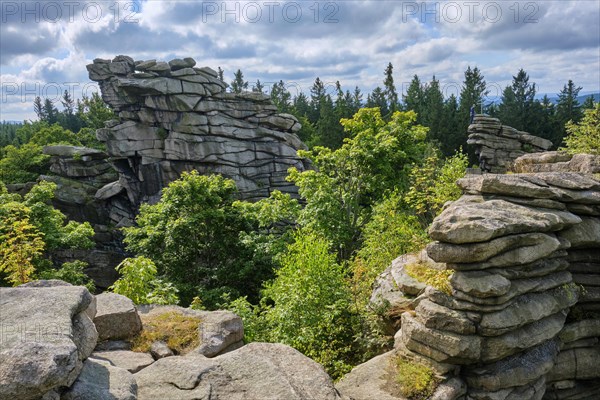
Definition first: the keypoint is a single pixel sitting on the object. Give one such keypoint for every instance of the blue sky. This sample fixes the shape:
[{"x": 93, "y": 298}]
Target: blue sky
[{"x": 45, "y": 45}]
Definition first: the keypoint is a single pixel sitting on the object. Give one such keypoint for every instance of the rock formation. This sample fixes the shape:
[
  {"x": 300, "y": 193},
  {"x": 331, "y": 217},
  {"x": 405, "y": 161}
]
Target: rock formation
[
  {"x": 497, "y": 145},
  {"x": 49, "y": 351},
  {"x": 520, "y": 319},
  {"x": 174, "y": 117}
]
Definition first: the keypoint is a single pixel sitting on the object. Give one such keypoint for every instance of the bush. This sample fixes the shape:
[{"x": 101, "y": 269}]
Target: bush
[
  {"x": 138, "y": 281},
  {"x": 434, "y": 183},
  {"x": 197, "y": 239},
  {"x": 71, "y": 272},
  {"x": 585, "y": 136},
  {"x": 311, "y": 308}
]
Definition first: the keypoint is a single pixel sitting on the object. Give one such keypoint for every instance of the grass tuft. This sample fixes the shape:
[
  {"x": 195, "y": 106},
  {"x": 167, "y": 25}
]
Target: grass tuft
[
  {"x": 415, "y": 381},
  {"x": 438, "y": 278},
  {"x": 178, "y": 331}
]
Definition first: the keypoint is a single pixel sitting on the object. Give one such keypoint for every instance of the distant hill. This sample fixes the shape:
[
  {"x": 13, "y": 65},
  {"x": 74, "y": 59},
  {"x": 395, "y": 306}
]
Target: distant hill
[{"x": 10, "y": 122}]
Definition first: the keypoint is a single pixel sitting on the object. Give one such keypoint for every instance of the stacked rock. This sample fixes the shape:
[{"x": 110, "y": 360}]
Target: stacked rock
[
  {"x": 576, "y": 370},
  {"x": 174, "y": 117},
  {"x": 510, "y": 240},
  {"x": 498, "y": 145}
]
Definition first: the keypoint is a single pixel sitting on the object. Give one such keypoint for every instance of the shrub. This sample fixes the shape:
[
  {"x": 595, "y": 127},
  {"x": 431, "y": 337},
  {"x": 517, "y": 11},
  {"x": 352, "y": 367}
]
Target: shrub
[
  {"x": 138, "y": 281},
  {"x": 585, "y": 136},
  {"x": 312, "y": 305},
  {"x": 71, "y": 272}
]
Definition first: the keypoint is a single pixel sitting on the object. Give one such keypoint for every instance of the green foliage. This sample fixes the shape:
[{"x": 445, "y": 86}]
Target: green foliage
[
  {"x": 311, "y": 304},
  {"x": 71, "y": 272},
  {"x": 437, "y": 278},
  {"x": 54, "y": 134},
  {"x": 585, "y": 136},
  {"x": 390, "y": 233},
  {"x": 199, "y": 240},
  {"x": 138, "y": 281},
  {"x": 346, "y": 182},
  {"x": 416, "y": 381},
  {"x": 31, "y": 225},
  {"x": 23, "y": 164},
  {"x": 434, "y": 183},
  {"x": 20, "y": 243}
]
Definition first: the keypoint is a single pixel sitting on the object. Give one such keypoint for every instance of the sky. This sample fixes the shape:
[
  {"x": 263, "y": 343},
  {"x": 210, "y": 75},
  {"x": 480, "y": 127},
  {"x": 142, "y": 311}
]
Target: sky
[{"x": 45, "y": 45}]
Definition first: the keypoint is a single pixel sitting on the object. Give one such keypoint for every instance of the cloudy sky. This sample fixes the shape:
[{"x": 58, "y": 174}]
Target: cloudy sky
[{"x": 45, "y": 45}]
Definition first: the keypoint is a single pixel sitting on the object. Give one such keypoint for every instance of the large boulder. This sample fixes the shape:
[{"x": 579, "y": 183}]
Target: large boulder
[
  {"x": 116, "y": 317},
  {"x": 256, "y": 371},
  {"x": 46, "y": 335}
]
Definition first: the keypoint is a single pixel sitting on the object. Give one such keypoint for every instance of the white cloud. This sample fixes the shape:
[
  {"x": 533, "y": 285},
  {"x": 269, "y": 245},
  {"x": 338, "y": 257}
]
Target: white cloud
[{"x": 562, "y": 44}]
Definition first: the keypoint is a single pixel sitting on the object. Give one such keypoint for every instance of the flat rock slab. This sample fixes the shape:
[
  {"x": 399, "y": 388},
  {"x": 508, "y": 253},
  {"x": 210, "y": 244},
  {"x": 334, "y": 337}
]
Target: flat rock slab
[
  {"x": 514, "y": 371},
  {"x": 46, "y": 334},
  {"x": 116, "y": 317},
  {"x": 265, "y": 371},
  {"x": 129, "y": 360},
  {"x": 100, "y": 380},
  {"x": 465, "y": 222},
  {"x": 369, "y": 380}
]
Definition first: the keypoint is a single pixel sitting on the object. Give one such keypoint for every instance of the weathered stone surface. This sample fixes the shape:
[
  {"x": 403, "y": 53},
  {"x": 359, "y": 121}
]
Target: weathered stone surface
[
  {"x": 481, "y": 222},
  {"x": 498, "y": 347},
  {"x": 160, "y": 349},
  {"x": 480, "y": 283},
  {"x": 534, "y": 247},
  {"x": 183, "y": 116},
  {"x": 101, "y": 381},
  {"x": 554, "y": 161},
  {"x": 584, "y": 235},
  {"x": 514, "y": 371},
  {"x": 580, "y": 329},
  {"x": 129, "y": 360},
  {"x": 533, "y": 186},
  {"x": 369, "y": 380},
  {"x": 519, "y": 287},
  {"x": 46, "y": 335},
  {"x": 116, "y": 317},
  {"x": 476, "y": 252},
  {"x": 499, "y": 145},
  {"x": 528, "y": 308},
  {"x": 256, "y": 371},
  {"x": 442, "y": 346},
  {"x": 438, "y": 317},
  {"x": 578, "y": 363}
]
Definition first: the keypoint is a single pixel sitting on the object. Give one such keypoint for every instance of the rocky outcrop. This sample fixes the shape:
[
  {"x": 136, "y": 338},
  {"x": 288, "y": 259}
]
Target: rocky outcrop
[
  {"x": 175, "y": 117},
  {"x": 520, "y": 317},
  {"x": 49, "y": 350},
  {"x": 47, "y": 333},
  {"x": 255, "y": 371},
  {"x": 498, "y": 145}
]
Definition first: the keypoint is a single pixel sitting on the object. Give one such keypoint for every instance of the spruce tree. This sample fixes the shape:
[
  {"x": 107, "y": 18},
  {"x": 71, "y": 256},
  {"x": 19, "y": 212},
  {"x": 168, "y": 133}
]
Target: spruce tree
[
  {"x": 390, "y": 89},
  {"x": 238, "y": 85},
  {"x": 415, "y": 98}
]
